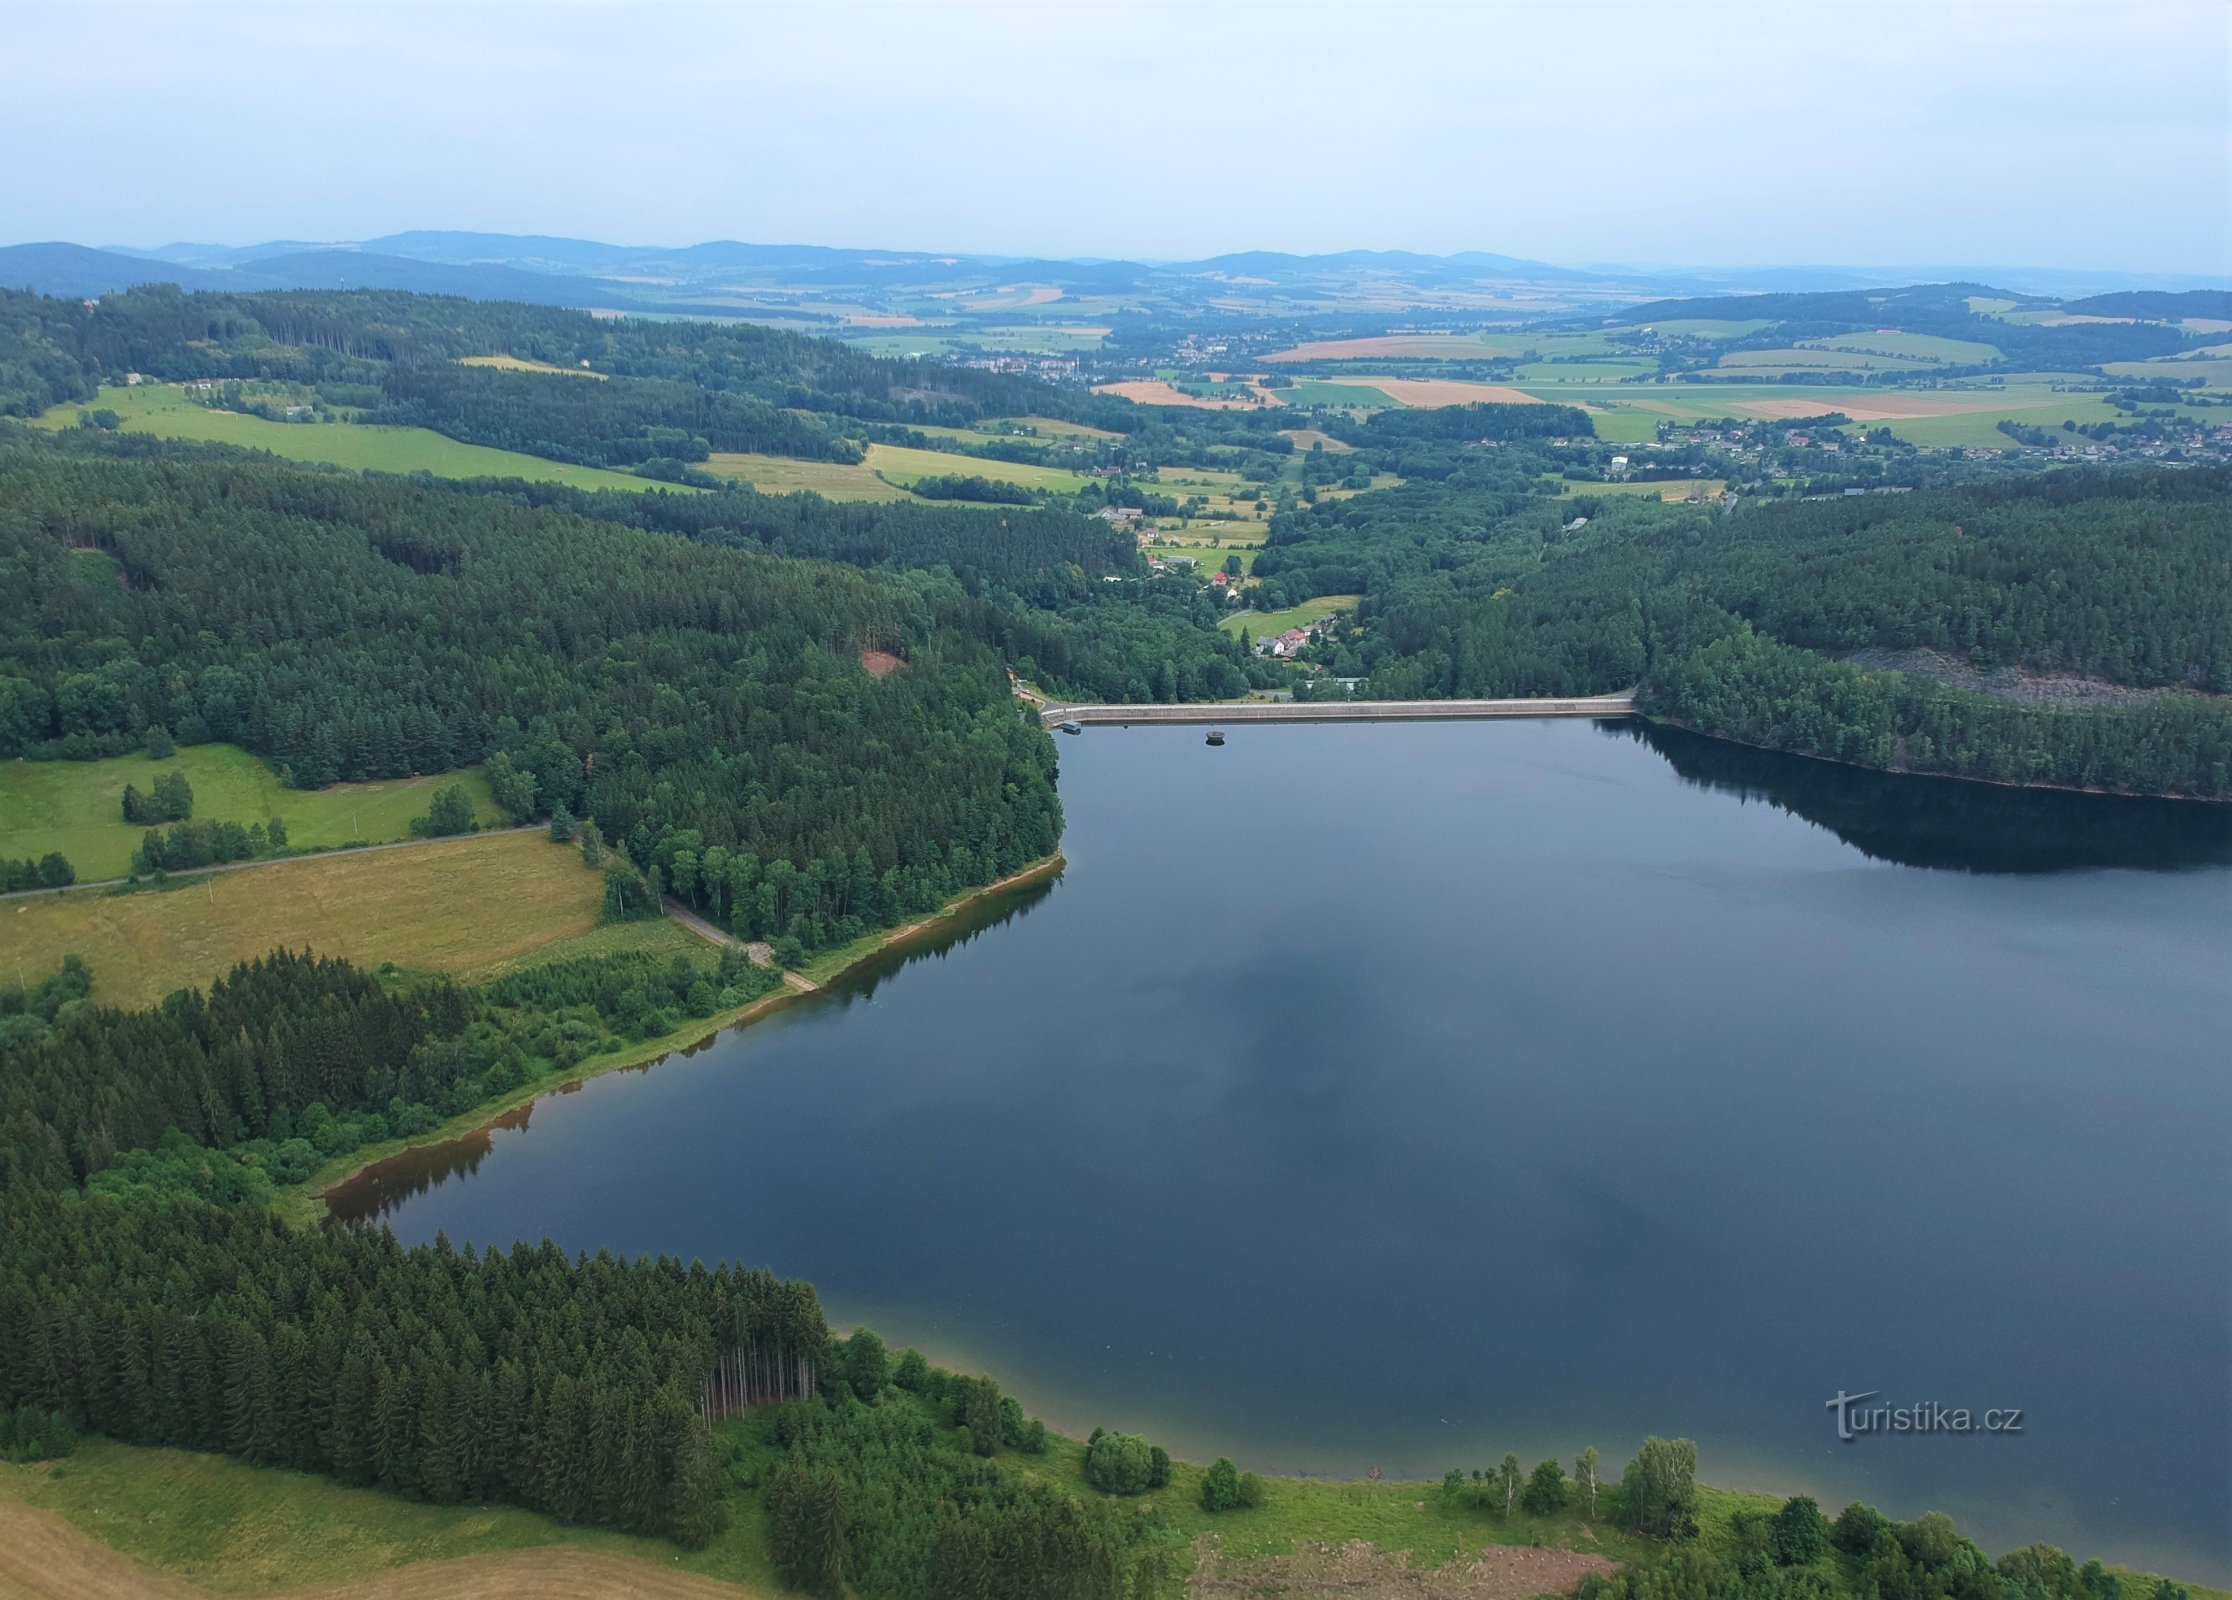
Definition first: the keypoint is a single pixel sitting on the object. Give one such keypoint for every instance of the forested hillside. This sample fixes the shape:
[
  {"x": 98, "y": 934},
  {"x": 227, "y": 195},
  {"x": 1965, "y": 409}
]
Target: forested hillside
[
  {"x": 58, "y": 349},
  {"x": 1741, "y": 623},
  {"x": 350, "y": 628}
]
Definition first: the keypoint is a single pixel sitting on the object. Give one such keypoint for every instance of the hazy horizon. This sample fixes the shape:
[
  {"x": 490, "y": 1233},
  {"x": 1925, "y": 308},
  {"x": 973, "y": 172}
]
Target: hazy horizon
[{"x": 2057, "y": 135}]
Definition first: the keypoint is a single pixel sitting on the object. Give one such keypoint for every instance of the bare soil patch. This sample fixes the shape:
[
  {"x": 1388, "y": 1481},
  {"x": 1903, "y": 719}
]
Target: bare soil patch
[
  {"x": 880, "y": 663},
  {"x": 1363, "y": 1572},
  {"x": 1305, "y": 437}
]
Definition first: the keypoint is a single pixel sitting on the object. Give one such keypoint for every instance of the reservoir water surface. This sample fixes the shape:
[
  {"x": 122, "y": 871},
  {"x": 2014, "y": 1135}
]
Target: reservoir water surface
[{"x": 1399, "y": 1095}]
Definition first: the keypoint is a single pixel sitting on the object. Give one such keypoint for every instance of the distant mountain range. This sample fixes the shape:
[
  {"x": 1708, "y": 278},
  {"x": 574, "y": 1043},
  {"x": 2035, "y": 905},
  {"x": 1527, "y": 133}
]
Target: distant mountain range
[{"x": 726, "y": 277}]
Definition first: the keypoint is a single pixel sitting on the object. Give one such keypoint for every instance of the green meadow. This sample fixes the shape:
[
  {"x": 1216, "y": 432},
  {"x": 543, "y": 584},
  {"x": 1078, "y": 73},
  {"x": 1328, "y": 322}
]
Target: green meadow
[
  {"x": 162, "y": 410},
  {"x": 904, "y": 466},
  {"x": 1344, "y": 396},
  {"x": 1260, "y": 624},
  {"x": 77, "y": 807},
  {"x": 1912, "y": 346}
]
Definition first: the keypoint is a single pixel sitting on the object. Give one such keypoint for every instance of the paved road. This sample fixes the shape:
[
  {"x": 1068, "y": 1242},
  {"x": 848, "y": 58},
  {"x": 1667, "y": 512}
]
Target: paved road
[
  {"x": 1601, "y": 705},
  {"x": 283, "y": 861}
]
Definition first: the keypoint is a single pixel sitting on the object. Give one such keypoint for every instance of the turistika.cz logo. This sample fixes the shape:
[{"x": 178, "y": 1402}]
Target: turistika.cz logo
[{"x": 1856, "y": 1417}]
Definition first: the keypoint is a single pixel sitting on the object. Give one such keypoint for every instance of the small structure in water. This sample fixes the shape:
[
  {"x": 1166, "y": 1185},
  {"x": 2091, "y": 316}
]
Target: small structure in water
[
  {"x": 1073, "y": 727},
  {"x": 1216, "y": 736}
]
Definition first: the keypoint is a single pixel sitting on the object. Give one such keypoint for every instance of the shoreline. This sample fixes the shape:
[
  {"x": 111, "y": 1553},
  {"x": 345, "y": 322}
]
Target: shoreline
[
  {"x": 1659, "y": 719},
  {"x": 303, "y": 1205}
]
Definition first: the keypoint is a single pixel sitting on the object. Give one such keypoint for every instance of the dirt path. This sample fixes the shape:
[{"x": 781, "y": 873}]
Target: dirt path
[
  {"x": 757, "y": 951},
  {"x": 42, "y": 1557}
]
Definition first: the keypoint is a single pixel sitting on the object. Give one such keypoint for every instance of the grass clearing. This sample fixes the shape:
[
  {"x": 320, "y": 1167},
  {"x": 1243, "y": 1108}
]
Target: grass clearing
[
  {"x": 1911, "y": 346},
  {"x": 832, "y": 480},
  {"x": 521, "y": 364},
  {"x": 198, "y": 1525},
  {"x": 885, "y": 475},
  {"x": 1342, "y": 394},
  {"x": 470, "y": 907},
  {"x": 1795, "y": 358},
  {"x": 1671, "y": 491},
  {"x": 1260, "y": 624},
  {"x": 902, "y": 465},
  {"x": 76, "y": 807},
  {"x": 165, "y": 411},
  {"x": 1713, "y": 327},
  {"x": 1061, "y": 429},
  {"x": 215, "y": 1526}
]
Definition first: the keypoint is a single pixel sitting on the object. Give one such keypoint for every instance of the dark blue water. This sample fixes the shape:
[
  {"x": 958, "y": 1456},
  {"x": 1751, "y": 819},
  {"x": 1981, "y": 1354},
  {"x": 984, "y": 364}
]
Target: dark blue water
[{"x": 1399, "y": 1096}]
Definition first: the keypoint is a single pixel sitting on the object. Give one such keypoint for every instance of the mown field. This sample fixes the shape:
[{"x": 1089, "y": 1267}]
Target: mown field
[
  {"x": 1342, "y": 394},
  {"x": 161, "y": 409},
  {"x": 522, "y": 364},
  {"x": 471, "y": 907},
  {"x": 1630, "y": 413},
  {"x": 76, "y": 807},
  {"x": 1262, "y": 624},
  {"x": 1929, "y": 347},
  {"x": 885, "y": 475},
  {"x": 901, "y": 465},
  {"x": 191, "y": 1525},
  {"x": 832, "y": 480}
]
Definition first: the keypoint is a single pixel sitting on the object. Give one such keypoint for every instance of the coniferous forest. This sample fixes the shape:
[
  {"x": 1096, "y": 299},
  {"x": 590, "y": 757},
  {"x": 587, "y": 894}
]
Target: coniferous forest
[{"x": 691, "y": 675}]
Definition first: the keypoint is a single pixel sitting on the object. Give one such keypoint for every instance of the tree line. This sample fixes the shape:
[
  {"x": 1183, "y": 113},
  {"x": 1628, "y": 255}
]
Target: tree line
[{"x": 1744, "y": 624}]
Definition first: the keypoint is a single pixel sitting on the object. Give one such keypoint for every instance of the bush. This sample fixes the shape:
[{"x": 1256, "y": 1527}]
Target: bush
[
  {"x": 1220, "y": 1486},
  {"x": 1797, "y": 1536},
  {"x": 1123, "y": 1463},
  {"x": 1546, "y": 1490},
  {"x": 450, "y": 813},
  {"x": 1860, "y": 1531}
]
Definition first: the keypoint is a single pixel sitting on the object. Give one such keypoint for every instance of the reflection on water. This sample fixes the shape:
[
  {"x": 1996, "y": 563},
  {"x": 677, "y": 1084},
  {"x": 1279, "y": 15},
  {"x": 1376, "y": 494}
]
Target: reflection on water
[
  {"x": 1402, "y": 1095},
  {"x": 384, "y": 1185},
  {"x": 1945, "y": 822}
]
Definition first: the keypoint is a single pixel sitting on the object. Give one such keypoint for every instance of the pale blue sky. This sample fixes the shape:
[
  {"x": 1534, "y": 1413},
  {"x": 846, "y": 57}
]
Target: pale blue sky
[{"x": 2056, "y": 133}]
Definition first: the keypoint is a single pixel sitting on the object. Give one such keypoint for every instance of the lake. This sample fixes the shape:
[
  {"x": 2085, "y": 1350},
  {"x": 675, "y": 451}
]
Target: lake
[{"x": 1397, "y": 1095}]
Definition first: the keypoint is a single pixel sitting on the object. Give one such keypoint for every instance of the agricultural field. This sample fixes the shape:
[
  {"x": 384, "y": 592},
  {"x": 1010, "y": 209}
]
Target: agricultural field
[
  {"x": 1671, "y": 491},
  {"x": 1935, "y": 417},
  {"x": 1609, "y": 370},
  {"x": 1059, "y": 429},
  {"x": 1410, "y": 347},
  {"x": 1261, "y": 623},
  {"x": 470, "y": 907},
  {"x": 1341, "y": 394},
  {"x": 1159, "y": 392},
  {"x": 1796, "y": 358},
  {"x": 832, "y": 480},
  {"x": 886, "y": 474},
  {"x": 1713, "y": 327},
  {"x": 76, "y": 807},
  {"x": 1925, "y": 347},
  {"x": 901, "y": 465},
  {"x": 162, "y": 410},
  {"x": 521, "y": 364}
]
